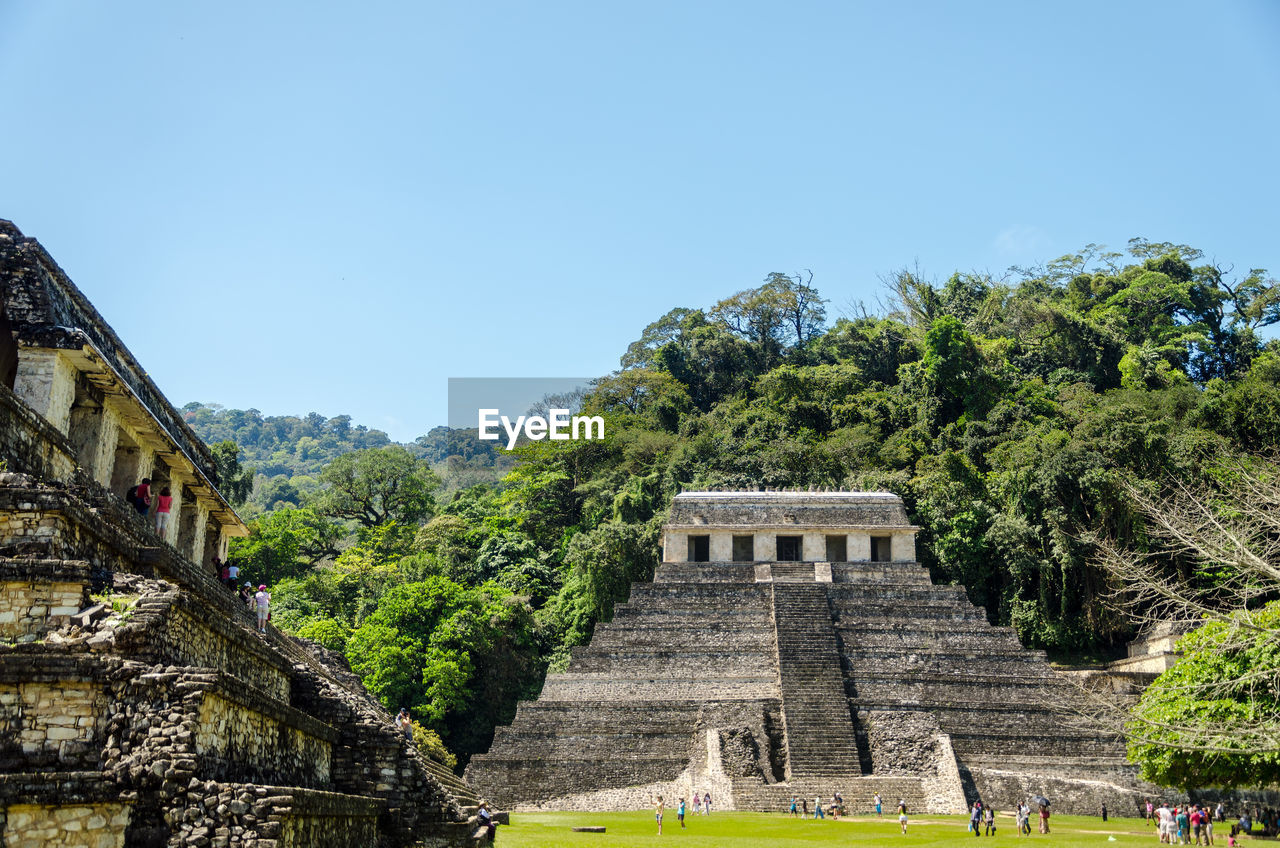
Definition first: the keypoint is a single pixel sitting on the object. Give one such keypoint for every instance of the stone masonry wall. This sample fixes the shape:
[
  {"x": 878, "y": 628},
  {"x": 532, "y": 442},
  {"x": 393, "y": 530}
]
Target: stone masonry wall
[
  {"x": 31, "y": 445},
  {"x": 234, "y": 738},
  {"x": 30, "y": 608},
  {"x": 69, "y": 826},
  {"x": 51, "y": 724}
]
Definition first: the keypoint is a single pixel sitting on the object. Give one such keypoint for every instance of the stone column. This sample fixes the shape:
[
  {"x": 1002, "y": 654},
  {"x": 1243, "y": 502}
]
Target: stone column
[
  {"x": 765, "y": 547},
  {"x": 197, "y": 533},
  {"x": 904, "y": 546},
  {"x": 859, "y": 547},
  {"x": 721, "y": 546},
  {"x": 675, "y": 547},
  {"x": 108, "y": 438},
  {"x": 47, "y": 382},
  {"x": 813, "y": 547},
  {"x": 175, "y": 534}
]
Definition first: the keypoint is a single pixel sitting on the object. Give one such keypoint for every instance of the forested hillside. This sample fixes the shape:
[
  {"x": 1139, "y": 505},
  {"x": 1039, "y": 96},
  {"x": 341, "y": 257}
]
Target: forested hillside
[
  {"x": 1007, "y": 413},
  {"x": 288, "y": 452}
]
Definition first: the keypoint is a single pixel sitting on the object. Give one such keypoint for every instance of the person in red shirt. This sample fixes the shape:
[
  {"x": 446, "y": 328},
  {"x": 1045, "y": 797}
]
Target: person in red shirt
[
  {"x": 163, "y": 504},
  {"x": 142, "y": 496}
]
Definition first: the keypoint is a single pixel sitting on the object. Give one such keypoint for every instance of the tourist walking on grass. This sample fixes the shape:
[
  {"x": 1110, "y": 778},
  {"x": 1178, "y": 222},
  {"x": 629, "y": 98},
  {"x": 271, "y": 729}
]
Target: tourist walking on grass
[
  {"x": 659, "y": 808},
  {"x": 1024, "y": 816},
  {"x": 990, "y": 820},
  {"x": 164, "y": 503},
  {"x": 697, "y": 804},
  {"x": 804, "y": 808},
  {"x": 876, "y": 799},
  {"x": 837, "y": 806},
  {"x": 817, "y": 808},
  {"x": 1208, "y": 828},
  {"x": 706, "y": 803},
  {"x": 1104, "y": 810},
  {"x": 1164, "y": 823},
  {"x": 680, "y": 813},
  {"x": 902, "y": 813},
  {"x": 795, "y": 811},
  {"x": 262, "y": 600},
  {"x": 1044, "y": 819},
  {"x": 975, "y": 818}
]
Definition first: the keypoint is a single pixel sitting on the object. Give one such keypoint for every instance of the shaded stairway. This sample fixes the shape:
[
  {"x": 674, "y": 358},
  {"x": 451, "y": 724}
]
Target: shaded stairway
[{"x": 819, "y": 728}]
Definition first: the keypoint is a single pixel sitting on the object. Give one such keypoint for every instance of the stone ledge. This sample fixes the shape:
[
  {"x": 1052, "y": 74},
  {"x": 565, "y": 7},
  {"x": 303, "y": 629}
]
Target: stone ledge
[
  {"x": 18, "y": 570},
  {"x": 58, "y": 787}
]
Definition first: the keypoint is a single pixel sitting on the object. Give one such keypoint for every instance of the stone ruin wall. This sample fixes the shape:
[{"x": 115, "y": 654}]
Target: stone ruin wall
[{"x": 160, "y": 717}]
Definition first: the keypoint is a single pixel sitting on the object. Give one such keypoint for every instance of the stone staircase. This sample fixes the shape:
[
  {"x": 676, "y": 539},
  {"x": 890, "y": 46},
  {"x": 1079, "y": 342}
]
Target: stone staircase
[
  {"x": 820, "y": 735},
  {"x": 878, "y": 681}
]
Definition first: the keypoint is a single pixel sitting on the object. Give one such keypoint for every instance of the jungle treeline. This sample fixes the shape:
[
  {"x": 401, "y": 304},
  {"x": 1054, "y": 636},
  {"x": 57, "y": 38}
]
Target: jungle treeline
[{"x": 1009, "y": 413}]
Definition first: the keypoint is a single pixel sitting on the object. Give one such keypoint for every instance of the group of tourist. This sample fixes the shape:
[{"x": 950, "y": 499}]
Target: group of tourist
[
  {"x": 701, "y": 806},
  {"x": 159, "y": 506},
  {"x": 1179, "y": 824},
  {"x": 800, "y": 807},
  {"x": 980, "y": 817}
]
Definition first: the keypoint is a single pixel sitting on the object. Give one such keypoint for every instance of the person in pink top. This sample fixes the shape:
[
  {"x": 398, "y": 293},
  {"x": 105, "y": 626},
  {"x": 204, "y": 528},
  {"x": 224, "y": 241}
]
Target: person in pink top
[{"x": 164, "y": 502}]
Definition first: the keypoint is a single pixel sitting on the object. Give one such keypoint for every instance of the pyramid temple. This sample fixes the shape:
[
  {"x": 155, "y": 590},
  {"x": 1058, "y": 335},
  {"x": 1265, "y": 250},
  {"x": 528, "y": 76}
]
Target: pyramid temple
[
  {"x": 791, "y": 645},
  {"x": 139, "y": 706}
]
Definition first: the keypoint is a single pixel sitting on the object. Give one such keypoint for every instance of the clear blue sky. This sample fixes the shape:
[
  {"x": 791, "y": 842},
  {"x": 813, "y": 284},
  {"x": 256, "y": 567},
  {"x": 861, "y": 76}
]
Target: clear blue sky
[{"x": 335, "y": 207}]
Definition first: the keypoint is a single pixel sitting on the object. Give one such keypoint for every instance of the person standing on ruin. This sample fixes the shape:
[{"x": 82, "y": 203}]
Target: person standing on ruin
[
  {"x": 404, "y": 723},
  {"x": 233, "y": 574},
  {"x": 163, "y": 504},
  {"x": 142, "y": 496},
  {"x": 262, "y": 600},
  {"x": 659, "y": 808}
]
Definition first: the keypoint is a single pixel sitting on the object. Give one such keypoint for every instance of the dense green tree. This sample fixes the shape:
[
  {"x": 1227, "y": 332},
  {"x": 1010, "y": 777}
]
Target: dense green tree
[
  {"x": 376, "y": 485},
  {"x": 1198, "y": 724},
  {"x": 285, "y": 543}
]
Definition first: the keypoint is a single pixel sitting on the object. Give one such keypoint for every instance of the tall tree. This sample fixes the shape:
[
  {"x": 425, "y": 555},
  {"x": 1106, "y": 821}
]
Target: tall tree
[{"x": 377, "y": 485}]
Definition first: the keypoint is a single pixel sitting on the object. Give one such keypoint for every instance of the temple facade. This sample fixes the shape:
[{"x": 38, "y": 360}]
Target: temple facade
[{"x": 791, "y": 645}]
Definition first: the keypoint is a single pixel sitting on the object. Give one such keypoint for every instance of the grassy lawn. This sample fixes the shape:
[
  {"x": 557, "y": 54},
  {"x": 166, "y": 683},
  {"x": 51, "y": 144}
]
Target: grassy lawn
[{"x": 749, "y": 830}]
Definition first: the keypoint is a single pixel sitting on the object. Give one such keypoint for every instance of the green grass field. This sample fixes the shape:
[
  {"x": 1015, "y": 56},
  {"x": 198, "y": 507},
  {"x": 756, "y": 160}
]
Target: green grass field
[{"x": 749, "y": 830}]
